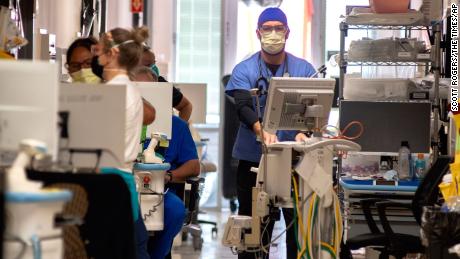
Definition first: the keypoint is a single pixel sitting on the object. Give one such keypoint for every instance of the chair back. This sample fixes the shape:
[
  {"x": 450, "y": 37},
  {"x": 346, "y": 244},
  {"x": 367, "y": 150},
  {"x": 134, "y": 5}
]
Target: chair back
[{"x": 428, "y": 191}]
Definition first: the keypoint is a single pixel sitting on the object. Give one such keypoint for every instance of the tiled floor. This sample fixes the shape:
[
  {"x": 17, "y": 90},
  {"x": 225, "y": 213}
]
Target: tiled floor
[{"x": 212, "y": 247}]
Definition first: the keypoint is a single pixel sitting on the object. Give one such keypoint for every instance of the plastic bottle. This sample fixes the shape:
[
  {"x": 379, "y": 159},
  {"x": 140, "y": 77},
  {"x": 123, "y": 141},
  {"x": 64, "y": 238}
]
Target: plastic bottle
[
  {"x": 420, "y": 166},
  {"x": 404, "y": 162}
]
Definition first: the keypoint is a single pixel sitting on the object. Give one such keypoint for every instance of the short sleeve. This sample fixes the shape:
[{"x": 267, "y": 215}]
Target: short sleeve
[
  {"x": 239, "y": 79},
  {"x": 309, "y": 70},
  {"x": 176, "y": 96},
  {"x": 187, "y": 149}
]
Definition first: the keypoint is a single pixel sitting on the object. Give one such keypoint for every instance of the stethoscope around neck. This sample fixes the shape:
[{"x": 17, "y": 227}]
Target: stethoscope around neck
[{"x": 262, "y": 82}]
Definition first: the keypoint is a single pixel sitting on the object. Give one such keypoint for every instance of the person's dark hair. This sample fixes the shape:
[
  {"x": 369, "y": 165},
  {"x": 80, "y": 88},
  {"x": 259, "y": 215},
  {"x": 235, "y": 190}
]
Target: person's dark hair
[
  {"x": 80, "y": 42},
  {"x": 130, "y": 53}
]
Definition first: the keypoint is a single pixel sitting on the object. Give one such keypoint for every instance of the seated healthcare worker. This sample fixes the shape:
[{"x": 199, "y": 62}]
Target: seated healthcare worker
[{"x": 182, "y": 155}]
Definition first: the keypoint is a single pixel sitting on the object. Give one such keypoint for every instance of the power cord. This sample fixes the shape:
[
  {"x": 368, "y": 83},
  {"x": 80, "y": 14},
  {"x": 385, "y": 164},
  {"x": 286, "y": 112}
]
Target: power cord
[{"x": 155, "y": 206}]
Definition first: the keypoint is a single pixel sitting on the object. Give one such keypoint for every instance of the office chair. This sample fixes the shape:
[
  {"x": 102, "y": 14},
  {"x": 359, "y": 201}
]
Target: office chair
[
  {"x": 108, "y": 204},
  {"x": 398, "y": 244},
  {"x": 192, "y": 200},
  {"x": 231, "y": 124}
]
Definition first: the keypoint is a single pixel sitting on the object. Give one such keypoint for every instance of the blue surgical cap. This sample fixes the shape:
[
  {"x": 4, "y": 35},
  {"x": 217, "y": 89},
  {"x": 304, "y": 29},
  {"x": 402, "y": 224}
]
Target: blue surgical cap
[{"x": 272, "y": 14}]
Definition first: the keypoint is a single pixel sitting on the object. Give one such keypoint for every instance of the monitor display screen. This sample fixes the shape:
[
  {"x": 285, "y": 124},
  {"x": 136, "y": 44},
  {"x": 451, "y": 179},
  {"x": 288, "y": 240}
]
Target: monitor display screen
[{"x": 387, "y": 124}]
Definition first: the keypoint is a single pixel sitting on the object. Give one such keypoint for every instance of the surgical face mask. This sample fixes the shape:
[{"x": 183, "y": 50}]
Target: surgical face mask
[
  {"x": 155, "y": 69},
  {"x": 96, "y": 68},
  {"x": 273, "y": 42},
  {"x": 85, "y": 75}
]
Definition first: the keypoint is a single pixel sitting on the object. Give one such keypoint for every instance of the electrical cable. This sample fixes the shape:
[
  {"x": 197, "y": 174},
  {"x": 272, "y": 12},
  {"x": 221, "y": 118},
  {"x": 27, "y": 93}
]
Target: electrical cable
[
  {"x": 341, "y": 133},
  {"x": 262, "y": 237},
  {"x": 23, "y": 243},
  {"x": 282, "y": 232},
  {"x": 154, "y": 207}
]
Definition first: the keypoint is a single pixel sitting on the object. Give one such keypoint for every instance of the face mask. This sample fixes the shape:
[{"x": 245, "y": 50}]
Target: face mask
[
  {"x": 273, "y": 43},
  {"x": 96, "y": 68},
  {"x": 85, "y": 75},
  {"x": 155, "y": 69}
]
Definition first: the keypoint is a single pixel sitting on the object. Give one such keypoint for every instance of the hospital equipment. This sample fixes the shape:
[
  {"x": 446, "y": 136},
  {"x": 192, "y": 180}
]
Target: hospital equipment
[
  {"x": 28, "y": 96},
  {"x": 150, "y": 180},
  {"x": 150, "y": 185},
  {"x": 197, "y": 94},
  {"x": 160, "y": 96},
  {"x": 31, "y": 230},
  {"x": 386, "y": 124},
  {"x": 94, "y": 118},
  {"x": 149, "y": 154},
  {"x": 295, "y": 103}
]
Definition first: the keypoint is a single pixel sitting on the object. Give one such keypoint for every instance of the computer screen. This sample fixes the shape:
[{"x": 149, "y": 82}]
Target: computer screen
[
  {"x": 28, "y": 105},
  {"x": 96, "y": 121},
  {"x": 298, "y": 103},
  {"x": 159, "y": 95},
  {"x": 196, "y": 94},
  {"x": 386, "y": 124}
]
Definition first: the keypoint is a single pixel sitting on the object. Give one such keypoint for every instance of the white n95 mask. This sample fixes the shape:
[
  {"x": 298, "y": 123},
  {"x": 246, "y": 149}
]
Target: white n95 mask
[
  {"x": 85, "y": 75},
  {"x": 273, "y": 43}
]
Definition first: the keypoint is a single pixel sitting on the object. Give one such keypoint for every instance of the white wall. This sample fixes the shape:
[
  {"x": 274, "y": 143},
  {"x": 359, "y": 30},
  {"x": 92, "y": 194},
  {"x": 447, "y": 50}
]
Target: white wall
[
  {"x": 162, "y": 32},
  {"x": 61, "y": 18},
  {"x": 229, "y": 35},
  {"x": 119, "y": 14}
]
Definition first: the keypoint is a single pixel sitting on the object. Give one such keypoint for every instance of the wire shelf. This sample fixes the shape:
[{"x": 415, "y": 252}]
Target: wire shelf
[
  {"x": 388, "y": 63},
  {"x": 387, "y": 27}
]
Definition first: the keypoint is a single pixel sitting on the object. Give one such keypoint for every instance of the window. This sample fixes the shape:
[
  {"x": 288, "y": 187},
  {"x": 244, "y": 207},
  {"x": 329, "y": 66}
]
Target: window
[{"x": 198, "y": 49}]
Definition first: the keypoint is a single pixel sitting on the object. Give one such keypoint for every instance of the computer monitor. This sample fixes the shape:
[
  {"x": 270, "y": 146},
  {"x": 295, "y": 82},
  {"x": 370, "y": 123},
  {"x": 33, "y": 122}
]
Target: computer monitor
[
  {"x": 196, "y": 94},
  {"x": 386, "y": 124},
  {"x": 28, "y": 106},
  {"x": 96, "y": 121},
  {"x": 160, "y": 96},
  {"x": 298, "y": 103}
]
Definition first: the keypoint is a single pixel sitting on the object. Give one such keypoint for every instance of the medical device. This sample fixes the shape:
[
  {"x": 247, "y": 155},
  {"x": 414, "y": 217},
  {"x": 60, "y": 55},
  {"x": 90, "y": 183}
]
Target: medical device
[
  {"x": 295, "y": 103},
  {"x": 197, "y": 94},
  {"x": 28, "y": 106},
  {"x": 298, "y": 103},
  {"x": 160, "y": 96},
  {"x": 386, "y": 124},
  {"x": 93, "y": 124},
  {"x": 149, "y": 154},
  {"x": 31, "y": 230},
  {"x": 150, "y": 176},
  {"x": 29, "y": 132}
]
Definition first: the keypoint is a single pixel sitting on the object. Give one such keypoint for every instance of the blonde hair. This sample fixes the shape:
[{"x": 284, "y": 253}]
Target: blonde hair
[{"x": 129, "y": 44}]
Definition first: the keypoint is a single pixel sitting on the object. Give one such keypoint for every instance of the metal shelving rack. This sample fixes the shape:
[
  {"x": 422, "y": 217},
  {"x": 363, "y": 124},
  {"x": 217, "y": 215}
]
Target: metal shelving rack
[{"x": 435, "y": 63}]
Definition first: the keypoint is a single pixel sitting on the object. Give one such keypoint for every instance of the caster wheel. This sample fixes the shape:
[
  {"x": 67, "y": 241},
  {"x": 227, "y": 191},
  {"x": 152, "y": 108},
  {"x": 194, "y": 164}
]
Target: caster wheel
[
  {"x": 197, "y": 243},
  {"x": 214, "y": 232},
  {"x": 233, "y": 206},
  {"x": 184, "y": 236}
]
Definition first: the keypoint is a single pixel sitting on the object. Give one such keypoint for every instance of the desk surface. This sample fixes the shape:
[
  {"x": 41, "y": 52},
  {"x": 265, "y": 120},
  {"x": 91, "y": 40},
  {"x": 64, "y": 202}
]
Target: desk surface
[{"x": 368, "y": 185}]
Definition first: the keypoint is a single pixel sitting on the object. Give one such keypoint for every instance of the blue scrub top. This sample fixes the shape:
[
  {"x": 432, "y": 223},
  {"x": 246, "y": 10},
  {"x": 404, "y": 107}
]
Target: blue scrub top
[
  {"x": 244, "y": 77},
  {"x": 181, "y": 146}
]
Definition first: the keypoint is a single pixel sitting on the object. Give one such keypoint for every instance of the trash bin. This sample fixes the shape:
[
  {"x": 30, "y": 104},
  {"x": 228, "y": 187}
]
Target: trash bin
[{"x": 440, "y": 231}]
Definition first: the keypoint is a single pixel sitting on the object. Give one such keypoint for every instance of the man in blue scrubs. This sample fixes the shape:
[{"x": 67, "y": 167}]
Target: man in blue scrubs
[
  {"x": 182, "y": 155},
  {"x": 255, "y": 72}
]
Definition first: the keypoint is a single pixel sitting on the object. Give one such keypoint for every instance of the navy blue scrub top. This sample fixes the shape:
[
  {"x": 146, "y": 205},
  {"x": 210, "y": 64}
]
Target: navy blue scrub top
[{"x": 244, "y": 77}]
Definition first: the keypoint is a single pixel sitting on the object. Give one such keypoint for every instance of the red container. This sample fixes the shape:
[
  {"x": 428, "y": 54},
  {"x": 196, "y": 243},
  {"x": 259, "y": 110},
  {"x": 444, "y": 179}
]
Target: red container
[{"x": 389, "y": 6}]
